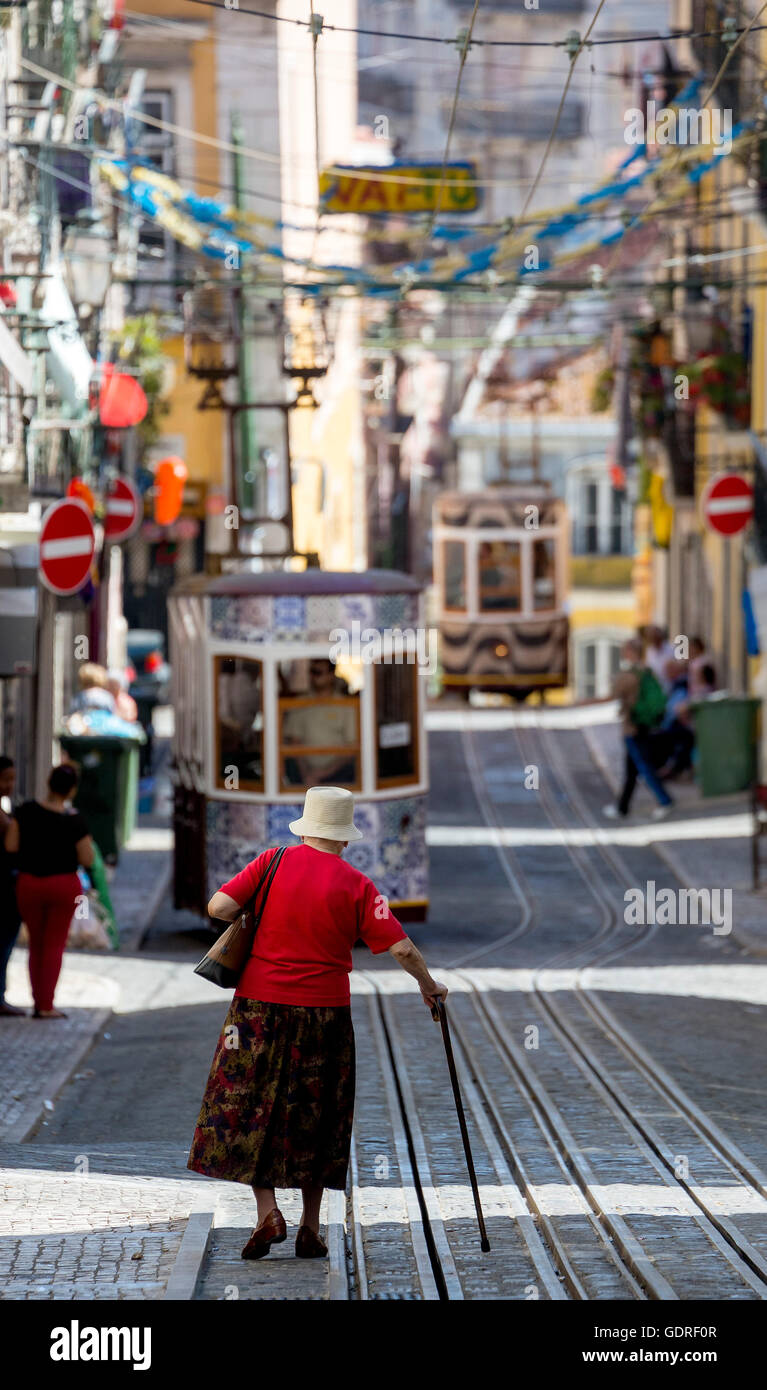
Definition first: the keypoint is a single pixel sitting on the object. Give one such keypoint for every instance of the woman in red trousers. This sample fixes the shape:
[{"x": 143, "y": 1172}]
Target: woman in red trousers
[{"x": 50, "y": 840}]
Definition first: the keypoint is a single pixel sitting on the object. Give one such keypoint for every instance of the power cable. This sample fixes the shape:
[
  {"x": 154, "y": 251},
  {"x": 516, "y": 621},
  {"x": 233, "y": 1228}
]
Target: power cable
[
  {"x": 465, "y": 46},
  {"x": 552, "y": 133},
  {"x": 486, "y": 43}
]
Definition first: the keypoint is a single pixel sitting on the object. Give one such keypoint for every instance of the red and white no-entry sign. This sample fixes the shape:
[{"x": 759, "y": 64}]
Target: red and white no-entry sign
[
  {"x": 123, "y": 510},
  {"x": 67, "y": 546},
  {"x": 728, "y": 503}
]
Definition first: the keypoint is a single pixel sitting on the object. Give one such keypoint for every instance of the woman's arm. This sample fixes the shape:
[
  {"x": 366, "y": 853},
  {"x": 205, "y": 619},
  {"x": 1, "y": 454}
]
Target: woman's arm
[
  {"x": 85, "y": 851},
  {"x": 223, "y": 907},
  {"x": 11, "y": 839},
  {"x": 409, "y": 957}
]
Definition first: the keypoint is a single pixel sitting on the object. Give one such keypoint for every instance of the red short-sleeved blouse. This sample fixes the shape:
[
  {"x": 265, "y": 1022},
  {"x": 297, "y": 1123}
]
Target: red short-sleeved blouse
[{"x": 318, "y": 906}]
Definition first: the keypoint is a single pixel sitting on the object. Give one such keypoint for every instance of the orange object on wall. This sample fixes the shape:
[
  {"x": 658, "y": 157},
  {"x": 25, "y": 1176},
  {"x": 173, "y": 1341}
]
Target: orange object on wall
[
  {"x": 79, "y": 488},
  {"x": 170, "y": 476}
]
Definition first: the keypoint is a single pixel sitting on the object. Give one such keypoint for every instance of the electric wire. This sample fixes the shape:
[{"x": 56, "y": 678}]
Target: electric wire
[
  {"x": 465, "y": 46},
  {"x": 487, "y": 43},
  {"x": 552, "y": 134}
]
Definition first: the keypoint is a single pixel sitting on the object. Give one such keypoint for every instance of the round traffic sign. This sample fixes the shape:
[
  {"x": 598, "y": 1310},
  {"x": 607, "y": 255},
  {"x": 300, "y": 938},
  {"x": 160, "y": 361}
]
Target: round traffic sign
[
  {"x": 123, "y": 510},
  {"x": 67, "y": 546},
  {"x": 728, "y": 503}
]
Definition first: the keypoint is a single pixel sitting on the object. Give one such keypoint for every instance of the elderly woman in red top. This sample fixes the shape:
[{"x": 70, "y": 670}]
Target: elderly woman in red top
[{"x": 278, "y": 1106}]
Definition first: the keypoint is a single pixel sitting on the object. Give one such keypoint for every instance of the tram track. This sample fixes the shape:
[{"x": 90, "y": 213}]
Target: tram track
[
  {"x": 604, "y": 1018},
  {"x": 723, "y": 1158}
]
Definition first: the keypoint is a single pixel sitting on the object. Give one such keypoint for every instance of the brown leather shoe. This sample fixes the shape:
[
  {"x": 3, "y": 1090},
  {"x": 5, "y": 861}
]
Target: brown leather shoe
[
  {"x": 272, "y": 1231},
  {"x": 310, "y": 1246}
]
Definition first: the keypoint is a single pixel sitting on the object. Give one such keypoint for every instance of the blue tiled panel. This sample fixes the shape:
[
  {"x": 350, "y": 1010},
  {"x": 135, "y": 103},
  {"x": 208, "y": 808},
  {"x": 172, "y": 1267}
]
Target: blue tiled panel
[
  {"x": 391, "y": 610},
  {"x": 323, "y": 614},
  {"x": 241, "y": 619},
  {"x": 278, "y": 822},
  {"x": 289, "y": 616},
  {"x": 392, "y": 855},
  {"x": 360, "y": 607}
]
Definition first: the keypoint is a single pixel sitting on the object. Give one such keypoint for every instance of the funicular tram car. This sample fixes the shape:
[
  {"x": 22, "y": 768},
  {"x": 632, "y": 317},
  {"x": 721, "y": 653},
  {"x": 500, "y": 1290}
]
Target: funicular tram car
[
  {"x": 287, "y": 680},
  {"x": 500, "y": 568}
]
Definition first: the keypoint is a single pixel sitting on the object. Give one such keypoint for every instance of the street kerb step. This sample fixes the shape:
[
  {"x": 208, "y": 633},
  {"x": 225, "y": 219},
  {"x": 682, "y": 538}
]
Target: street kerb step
[{"x": 182, "y": 1283}]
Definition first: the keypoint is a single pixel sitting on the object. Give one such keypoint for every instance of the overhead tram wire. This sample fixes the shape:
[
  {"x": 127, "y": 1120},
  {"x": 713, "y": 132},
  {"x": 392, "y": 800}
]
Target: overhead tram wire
[
  {"x": 465, "y": 46},
  {"x": 521, "y": 69},
  {"x": 485, "y": 43},
  {"x": 552, "y": 134},
  {"x": 213, "y": 142},
  {"x": 750, "y": 28}
]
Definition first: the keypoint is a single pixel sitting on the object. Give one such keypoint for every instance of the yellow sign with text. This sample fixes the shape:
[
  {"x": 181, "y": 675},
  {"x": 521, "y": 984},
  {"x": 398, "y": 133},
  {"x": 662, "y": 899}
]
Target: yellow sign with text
[{"x": 394, "y": 188}]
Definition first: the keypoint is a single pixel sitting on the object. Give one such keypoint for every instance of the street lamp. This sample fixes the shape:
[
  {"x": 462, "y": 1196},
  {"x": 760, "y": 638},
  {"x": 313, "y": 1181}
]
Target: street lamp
[
  {"x": 88, "y": 265},
  {"x": 211, "y": 339},
  {"x": 307, "y": 355}
]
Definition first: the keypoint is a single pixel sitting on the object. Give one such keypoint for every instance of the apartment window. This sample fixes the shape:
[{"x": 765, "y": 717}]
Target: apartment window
[
  {"x": 600, "y": 512},
  {"x": 597, "y": 660},
  {"x": 589, "y": 519},
  {"x": 158, "y": 250}
]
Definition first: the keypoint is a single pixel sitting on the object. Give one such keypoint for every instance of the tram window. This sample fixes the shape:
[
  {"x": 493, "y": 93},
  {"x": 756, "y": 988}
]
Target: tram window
[
  {"x": 319, "y": 726},
  {"x": 396, "y": 715},
  {"x": 454, "y": 565},
  {"x": 544, "y": 574},
  {"x": 239, "y": 724},
  {"x": 500, "y": 576}
]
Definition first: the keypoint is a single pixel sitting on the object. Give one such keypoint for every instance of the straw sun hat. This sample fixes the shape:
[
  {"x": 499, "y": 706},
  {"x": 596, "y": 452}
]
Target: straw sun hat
[{"x": 328, "y": 815}]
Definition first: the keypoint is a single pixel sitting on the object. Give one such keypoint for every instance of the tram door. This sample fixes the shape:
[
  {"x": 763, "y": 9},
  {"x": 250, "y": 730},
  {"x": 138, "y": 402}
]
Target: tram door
[{"x": 189, "y": 864}]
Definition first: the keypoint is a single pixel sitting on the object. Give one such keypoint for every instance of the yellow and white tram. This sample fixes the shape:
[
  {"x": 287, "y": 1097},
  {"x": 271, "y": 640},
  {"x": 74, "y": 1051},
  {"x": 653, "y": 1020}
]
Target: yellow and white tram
[
  {"x": 501, "y": 575},
  {"x": 286, "y": 680}
]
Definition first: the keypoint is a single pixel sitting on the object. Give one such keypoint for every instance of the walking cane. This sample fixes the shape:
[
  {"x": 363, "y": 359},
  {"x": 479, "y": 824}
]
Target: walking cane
[{"x": 439, "y": 1014}]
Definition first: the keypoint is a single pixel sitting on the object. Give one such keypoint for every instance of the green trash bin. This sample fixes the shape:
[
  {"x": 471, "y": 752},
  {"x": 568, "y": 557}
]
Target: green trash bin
[
  {"x": 727, "y": 742},
  {"x": 107, "y": 793}
]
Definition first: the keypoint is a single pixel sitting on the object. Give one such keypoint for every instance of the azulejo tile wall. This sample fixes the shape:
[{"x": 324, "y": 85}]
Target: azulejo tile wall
[
  {"x": 293, "y": 617},
  {"x": 392, "y": 851}
]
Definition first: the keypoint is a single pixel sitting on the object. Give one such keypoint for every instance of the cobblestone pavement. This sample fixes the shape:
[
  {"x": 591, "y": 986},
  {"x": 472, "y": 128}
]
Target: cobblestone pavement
[{"x": 98, "y": 1198}]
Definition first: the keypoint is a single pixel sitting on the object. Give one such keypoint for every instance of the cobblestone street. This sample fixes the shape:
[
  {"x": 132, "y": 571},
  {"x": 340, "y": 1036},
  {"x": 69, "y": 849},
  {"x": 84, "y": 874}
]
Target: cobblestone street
[{"x": 620, "y": 1156}]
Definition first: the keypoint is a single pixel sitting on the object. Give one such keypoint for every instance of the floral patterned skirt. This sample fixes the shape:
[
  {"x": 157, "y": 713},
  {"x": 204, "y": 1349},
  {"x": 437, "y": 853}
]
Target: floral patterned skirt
[{"x": 279, "y": 1103}]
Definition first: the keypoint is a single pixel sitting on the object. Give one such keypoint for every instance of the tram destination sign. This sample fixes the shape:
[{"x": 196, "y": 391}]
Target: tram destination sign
[{"x": 392, "y": 188}]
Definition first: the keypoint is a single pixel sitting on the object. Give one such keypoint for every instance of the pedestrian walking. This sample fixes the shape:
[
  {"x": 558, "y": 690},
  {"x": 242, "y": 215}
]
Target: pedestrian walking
[
  {"x": 278, "y": 1106},
  {"x": 50, "y": 840},
  {"x": 10, "y": 921},
  {"x": 658, "y": 652},
  {"x": 642, "y": 705}
]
